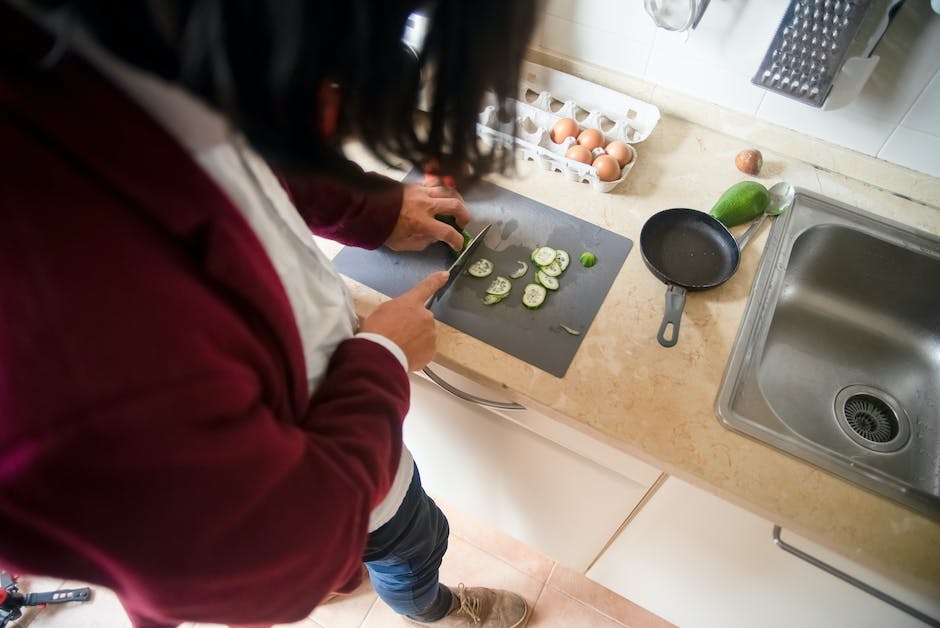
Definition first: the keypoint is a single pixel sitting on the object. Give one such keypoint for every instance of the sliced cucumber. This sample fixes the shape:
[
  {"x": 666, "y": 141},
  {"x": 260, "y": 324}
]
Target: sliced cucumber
[
  {"x": 492, "y": 299},
  {"x": 573, "y": 332},
  {"x": 500, "y": 287},
  {"x": 533, "y": 296},
  {"x": 519, "y": 272},
  {"x": 552, "y": 270},
  {"x": 562, "y": 258},
  {"x": 546, "y": 280},
  {"x": 481, "y": 268},
  {"x": 543, "y": 256}
]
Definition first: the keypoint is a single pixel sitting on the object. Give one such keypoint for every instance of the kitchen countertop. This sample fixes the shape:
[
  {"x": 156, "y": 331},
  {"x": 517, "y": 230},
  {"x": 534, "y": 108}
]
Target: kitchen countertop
[{"x": 656, "y": 403}]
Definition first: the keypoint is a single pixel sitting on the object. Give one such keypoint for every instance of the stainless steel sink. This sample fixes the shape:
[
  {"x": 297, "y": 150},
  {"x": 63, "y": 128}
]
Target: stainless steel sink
[{"x": 837, "y": 360}]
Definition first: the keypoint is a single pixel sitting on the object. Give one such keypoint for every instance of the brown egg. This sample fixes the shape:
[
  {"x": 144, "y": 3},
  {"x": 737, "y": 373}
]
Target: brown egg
[
  {"x": 607, "y": 168},
  {"x": 564, "y": 128},
  {"x": 579, "y": 153},
  {"x": 592, "y": 138},
  {"x": 749, "y": 161},
  {"x": 620, "y": 151}
]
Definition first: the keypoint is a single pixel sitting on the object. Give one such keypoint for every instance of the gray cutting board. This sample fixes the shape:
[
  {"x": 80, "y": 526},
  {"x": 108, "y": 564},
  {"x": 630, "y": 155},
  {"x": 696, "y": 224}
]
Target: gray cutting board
[{"x": 519, "y": 225}]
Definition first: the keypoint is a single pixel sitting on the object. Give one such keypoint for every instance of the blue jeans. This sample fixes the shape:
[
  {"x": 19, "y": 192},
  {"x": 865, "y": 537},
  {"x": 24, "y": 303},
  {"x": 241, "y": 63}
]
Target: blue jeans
[{"x": 404, "y": 555}]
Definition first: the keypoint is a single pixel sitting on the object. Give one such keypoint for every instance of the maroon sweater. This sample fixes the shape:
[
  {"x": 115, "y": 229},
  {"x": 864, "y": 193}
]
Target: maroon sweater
[{"x": 156, "y": 435}]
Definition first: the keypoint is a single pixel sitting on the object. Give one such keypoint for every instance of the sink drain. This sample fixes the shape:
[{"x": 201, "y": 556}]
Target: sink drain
[{"x": 872, "y": 418}]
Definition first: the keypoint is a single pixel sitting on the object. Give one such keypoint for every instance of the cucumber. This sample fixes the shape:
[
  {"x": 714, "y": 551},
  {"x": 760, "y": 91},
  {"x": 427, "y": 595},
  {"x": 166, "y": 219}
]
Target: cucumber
[
  {"x": 543, "y": 256},
  {"x": 552, "y": 270},
  {"x": 492, "y": 299},
  {"x": 562, "y": 258},
  {"x": 519, "y": 272},
  {"x": 448, "y": 219},
  {"x": 500, "y": 287},
  {"x": 533, "y": 296},
  {"x": 546, "y": 280},
  {"x": 588, "y": 259},
  {"x": 480, "y": 268}
]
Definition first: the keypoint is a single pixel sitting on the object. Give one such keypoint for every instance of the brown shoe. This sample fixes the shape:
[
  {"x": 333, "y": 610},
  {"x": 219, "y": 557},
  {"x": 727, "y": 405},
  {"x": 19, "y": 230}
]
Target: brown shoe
[{"x": 479, "y": 607}]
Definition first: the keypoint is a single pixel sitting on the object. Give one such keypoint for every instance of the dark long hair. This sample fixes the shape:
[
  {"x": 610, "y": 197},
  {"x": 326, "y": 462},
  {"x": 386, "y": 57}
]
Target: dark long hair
[{"x": 263, "y": 62}]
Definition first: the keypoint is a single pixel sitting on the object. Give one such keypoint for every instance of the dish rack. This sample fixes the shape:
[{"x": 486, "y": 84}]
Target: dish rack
[{"x": 545, "y": 97}]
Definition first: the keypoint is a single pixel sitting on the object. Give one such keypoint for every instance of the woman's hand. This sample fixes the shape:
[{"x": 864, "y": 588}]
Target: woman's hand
[
  {"x": 408, "y": 323},
  {"x": 417, "y": 228}
]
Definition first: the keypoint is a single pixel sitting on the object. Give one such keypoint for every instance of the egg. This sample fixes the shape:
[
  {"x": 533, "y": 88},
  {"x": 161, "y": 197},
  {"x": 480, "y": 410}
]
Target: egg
[
  {"x": 620, "y": 151},
  {"x": 592, "y": 138},
  {"x": 563, "y": 129},
  {"x": 579, "y": 153},
  {"x": 607, "y": 168}
]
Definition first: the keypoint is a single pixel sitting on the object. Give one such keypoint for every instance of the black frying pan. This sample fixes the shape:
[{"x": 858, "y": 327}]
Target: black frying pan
[{"x": 688, "y": 250}]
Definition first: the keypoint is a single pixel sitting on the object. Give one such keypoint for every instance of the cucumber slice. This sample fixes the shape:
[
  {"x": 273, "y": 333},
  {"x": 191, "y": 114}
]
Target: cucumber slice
[
  {"x": 562, "y": 258},
  {"x": 573, "y": 332},
  {"x": 533, "y": 296},
  {"x": 500, "y": 287},
  {"x": 493, "y": 299},
  {"x": 546, "y": 280},
  {"x": 519, "y": 272},
  {"x": 543, "y": 256},
  {"x": 552, "y": 270},
  {"x": 481, "y": 268}
]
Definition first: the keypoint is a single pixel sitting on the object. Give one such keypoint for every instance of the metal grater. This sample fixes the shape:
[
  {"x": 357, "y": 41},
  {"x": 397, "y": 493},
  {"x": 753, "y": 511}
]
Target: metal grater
[{"x": 809, "y": 48}]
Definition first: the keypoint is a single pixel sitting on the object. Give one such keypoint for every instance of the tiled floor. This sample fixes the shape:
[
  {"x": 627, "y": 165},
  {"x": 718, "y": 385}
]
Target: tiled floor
[{"x": 478, "y": 555}]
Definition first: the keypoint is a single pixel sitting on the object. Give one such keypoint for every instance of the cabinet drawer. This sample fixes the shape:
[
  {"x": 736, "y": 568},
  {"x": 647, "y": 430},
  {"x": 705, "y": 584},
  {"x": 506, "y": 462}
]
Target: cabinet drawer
[
  {"x": 579, "y": 439},
  {"x": 545, "y": 495},
  {"x": 699, "y": 561}
]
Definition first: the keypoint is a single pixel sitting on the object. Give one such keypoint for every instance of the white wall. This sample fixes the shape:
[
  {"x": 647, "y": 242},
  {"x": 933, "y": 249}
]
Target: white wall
[{"x": 896, "y": 117}]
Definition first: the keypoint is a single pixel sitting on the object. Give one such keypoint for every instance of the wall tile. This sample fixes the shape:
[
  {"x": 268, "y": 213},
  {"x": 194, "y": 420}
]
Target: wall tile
[
  {"x": 849, "y": 126},
  {"x": 614, "y": 16},
  {"x": 914, "y": 149},
  {"x": 909, "y": 57},
  {"x": 924, "y": 116},
  {"x": 604, "y": 48},
  {"x": 716, "y": 61}
]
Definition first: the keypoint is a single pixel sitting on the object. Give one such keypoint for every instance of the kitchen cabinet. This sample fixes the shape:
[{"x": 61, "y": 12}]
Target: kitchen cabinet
[
  {"x": 699, "y": 561},
  {"x": 565, "y": 500}
]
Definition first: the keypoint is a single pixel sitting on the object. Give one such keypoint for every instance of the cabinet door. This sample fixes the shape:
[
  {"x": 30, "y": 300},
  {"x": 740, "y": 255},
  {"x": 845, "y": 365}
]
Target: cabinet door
[
  {"x": 699, "y": 561},
  {"x": 550, "y": 498}
]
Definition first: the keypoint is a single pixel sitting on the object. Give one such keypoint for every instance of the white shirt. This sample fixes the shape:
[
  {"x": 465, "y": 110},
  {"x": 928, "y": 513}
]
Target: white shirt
[{"x": 318, "y": 296}]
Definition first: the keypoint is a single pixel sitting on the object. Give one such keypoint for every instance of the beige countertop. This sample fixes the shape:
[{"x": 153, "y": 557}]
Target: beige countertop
[{"x": 656, "y": 403}]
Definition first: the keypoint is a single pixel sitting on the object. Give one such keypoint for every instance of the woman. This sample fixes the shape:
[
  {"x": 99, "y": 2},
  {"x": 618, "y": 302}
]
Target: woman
[{"x": 191, "y": 413}]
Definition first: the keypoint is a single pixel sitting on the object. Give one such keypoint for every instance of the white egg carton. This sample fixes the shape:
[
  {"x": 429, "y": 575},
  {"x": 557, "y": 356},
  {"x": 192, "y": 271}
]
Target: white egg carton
[{"x": 615, "y": 115}]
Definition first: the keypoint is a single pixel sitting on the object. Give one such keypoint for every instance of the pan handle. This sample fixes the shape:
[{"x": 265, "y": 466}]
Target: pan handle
[{"x": 675, "y": 303}]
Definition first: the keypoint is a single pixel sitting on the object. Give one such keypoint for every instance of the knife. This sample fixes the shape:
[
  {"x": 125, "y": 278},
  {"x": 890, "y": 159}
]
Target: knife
[{"x": 459, "y": 264}]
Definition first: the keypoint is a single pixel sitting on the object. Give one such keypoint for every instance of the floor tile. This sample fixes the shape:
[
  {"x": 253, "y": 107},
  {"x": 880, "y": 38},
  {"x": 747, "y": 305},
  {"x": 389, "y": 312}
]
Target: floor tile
[
  {"x": 555, "y": 610},
  {"x": 587, "y": 591},
  {"x": 103, "y": 611},
  {"x": 478, "y": 555},
  {"x": 524, "y": 558},
  {"x": 346, "y": 611},
  {"x": 468, "y": 564}
]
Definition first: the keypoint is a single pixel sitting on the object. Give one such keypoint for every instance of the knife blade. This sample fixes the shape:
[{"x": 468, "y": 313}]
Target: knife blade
[{"x": 459, "y": 264}]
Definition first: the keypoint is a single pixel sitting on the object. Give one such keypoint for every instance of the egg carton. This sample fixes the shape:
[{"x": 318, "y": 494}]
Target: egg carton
[
  {"x": 628, "y": 119},
  {"x": 614, "y": 115}
]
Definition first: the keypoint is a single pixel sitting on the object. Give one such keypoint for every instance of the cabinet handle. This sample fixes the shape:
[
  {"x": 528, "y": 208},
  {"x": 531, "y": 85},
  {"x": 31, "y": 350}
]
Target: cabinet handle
[
  {"x": 489, "y": 403},
  {"x": 838, "y": 573}
]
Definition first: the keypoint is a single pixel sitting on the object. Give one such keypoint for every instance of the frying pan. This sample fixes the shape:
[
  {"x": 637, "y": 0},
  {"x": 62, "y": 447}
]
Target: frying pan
[{"x": 686, "y": 249}]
